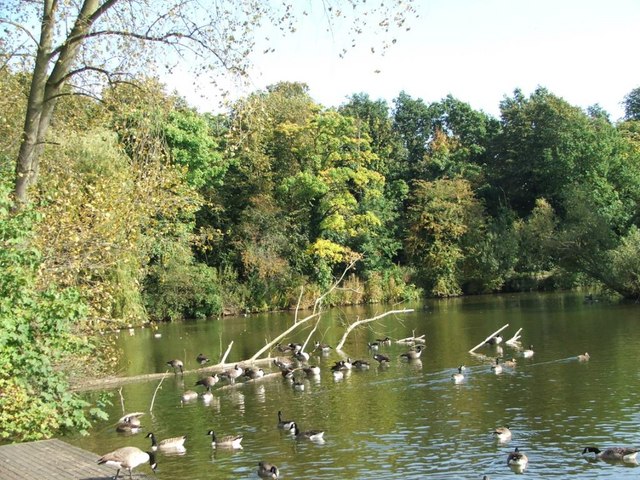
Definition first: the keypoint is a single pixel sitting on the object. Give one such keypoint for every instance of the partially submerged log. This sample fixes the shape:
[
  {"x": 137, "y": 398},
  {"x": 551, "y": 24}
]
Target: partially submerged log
[
  {"x": 111, "y": 382},
  {"x": 367, "y": 320},
  {"x": 487, "y": 339},
  {"x": 515, "y": 340},
  {"x": 412, "y": 340}
]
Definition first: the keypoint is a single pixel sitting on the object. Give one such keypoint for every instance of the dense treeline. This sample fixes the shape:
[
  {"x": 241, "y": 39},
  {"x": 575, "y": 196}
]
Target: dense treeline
[
  {"x": 146, "y": 209},
  {"x": 154, "y": 211}
]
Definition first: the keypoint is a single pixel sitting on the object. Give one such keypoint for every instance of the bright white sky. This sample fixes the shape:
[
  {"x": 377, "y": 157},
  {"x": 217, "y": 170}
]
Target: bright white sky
[{"x": 479, "y": 51}]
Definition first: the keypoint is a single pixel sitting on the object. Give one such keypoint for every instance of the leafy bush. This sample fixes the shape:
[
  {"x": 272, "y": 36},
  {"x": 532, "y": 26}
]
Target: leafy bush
[
  {"x": 177, "y": 288},
  {"x": 36, "y": 337}
]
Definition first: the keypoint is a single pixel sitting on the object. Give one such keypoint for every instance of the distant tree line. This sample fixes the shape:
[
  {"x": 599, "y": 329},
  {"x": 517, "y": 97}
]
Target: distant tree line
[{"x": 152, "y": 210}]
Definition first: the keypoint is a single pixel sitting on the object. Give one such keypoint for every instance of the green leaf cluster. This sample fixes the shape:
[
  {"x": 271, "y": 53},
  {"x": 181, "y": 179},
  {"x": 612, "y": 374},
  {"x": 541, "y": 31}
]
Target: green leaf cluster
[{"x": 37, "y": 336}]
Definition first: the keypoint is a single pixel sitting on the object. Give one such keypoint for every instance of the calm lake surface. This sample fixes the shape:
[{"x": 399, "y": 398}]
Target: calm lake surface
[{"x": 408, "y": 420}]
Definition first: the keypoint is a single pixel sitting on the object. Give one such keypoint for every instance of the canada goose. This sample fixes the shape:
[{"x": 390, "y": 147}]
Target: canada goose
[
  {"x": 128, "y": 458},
  {"x": 528, "y": 353},
  {"x": 132, "y": 418},
  {"x": 311, "y": 370},
  {"x": 308, "y": 435},
  {"x": 295, "y": 347},
  {"x": 517, "y": 459},
  {"x": 301, "y": 356},
  {"x": 584, "y": 358},
  {"x": 503, "y": 434},
  {"x": 284, "y": 424},
  {"x": 176, "y": 365},
  {"x": 129, "y": 423},
  {"x": 283, "y": 364},
  {"x": 323, "y": 347},
  {"x": 510, "y": 363},
  {"x": 283, "y": 348},
  {"x": 234, "y": 373},
  {"x": 266, "y": 470},
  {"x": 458, "y": 377},
  {"x": 229, "y": 441},
  {"x": 413, "y": 354},
  {"x": 384, "y": 341},
  {"x": 173, "y": 443},
  {"x": 253, "y": 373},
  {"x": 495, "y": 340},
  {"x": 202, "y": 359},
  {"x": 207, "y": 396},
  {"x": 208, "y": 381},
  {"x": 361, "y": 365},
  {"x": 340, "y": 365},
  {"x": 128, "y": 427},
  {"x": 373, "y": 345},
  {"x": 624, "y": 454},
  {"x": 497, "y": 368},
  {"x": 189, "y": 396},
  {"x": 381, "y": 358}
]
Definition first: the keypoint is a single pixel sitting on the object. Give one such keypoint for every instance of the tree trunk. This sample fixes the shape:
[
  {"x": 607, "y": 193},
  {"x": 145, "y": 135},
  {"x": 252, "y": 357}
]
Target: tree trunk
[{"x": 45, "y": 90}]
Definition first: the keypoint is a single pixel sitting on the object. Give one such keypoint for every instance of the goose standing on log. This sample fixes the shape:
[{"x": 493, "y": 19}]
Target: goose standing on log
[{"x": 176, "y": 365}]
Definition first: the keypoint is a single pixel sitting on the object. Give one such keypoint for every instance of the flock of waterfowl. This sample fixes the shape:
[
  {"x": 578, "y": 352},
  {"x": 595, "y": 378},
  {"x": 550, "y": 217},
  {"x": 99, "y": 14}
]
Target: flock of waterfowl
[
  {"x": 517, "y": 460},
  {"x": 293, "y": 366}
]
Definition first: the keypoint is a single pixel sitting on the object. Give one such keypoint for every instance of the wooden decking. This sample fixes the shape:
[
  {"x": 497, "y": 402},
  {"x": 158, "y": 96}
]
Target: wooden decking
[{"x": 53, "y": 460}]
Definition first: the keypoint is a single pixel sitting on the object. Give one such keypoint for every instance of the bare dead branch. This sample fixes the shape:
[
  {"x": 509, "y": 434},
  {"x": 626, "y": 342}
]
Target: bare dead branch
[
  {"x": 226, "y": 354},
  {"x": 368, "y": 320},
  {"x": 486, "y": 339},
  {"x": 153, "y": 399}
]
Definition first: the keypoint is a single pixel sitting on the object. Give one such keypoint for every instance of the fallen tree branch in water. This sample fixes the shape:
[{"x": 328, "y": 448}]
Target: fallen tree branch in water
[
  {"x": 226, "y": 354},
  {"x": 515, "y": 340},
  {"x": 487, "y": 339},
  {"x": 412, "y": 339},
  {"x": 153, "y": 399},
  {"x": 367, "y": 320},
  {"x": 304, "y": 345},
  {"x": 111, "y": 382}
]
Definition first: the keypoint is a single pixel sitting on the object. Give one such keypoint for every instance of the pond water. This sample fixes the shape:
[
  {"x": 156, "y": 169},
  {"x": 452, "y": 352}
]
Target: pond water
[{"x": 408, "y": 420}]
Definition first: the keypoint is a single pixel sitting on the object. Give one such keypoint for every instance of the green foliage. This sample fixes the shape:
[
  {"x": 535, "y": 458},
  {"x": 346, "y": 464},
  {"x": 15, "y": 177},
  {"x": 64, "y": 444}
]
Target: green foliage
[
  {"x": 632, "y": 105},
  {"x": 37, "y": 336},
  {"x": 625, "y": 265},
  {"x": 192, "y": 145},
  {"x": 177, "y": 288},
  {"x": 442, "y": 213},
  {"x": 535, "y": 237}
]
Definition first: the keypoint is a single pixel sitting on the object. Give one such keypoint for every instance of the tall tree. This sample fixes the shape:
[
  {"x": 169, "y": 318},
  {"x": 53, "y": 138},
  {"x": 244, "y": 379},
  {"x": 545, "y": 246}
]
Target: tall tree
[
  {"x": 545, "y": 145},
  {"x": 91, "y": 43},
  {"x": 632, "y": 105},
  {"x": 443, "y": 213}
]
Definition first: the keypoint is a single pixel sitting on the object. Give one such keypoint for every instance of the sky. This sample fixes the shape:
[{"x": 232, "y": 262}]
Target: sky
[{"x": 478, "y": 51}]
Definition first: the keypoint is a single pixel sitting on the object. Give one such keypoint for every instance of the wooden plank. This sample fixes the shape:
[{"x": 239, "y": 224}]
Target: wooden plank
[{"x": 53, "y": 460}]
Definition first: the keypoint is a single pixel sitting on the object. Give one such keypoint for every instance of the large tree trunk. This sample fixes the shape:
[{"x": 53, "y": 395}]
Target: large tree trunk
[
  {"x": 45, "y": 89},
  {"x": 26, "y": 165}
]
